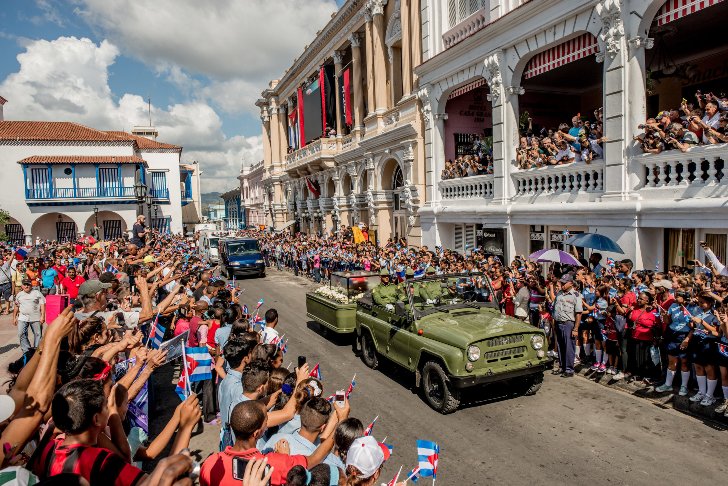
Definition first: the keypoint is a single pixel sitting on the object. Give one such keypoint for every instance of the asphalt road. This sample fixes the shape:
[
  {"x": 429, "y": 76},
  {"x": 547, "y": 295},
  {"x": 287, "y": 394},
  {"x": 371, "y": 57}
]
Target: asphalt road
[{"x": 573, "y": 431}]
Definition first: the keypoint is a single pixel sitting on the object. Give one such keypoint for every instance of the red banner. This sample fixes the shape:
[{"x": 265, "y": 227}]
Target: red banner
[
  {"x": 347, "y": 96},
  {"x": 302, "y": 137}
]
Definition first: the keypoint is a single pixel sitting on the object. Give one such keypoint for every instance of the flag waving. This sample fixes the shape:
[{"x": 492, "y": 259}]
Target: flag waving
[
  {"x": 414, "y": 475},
  {"x": 428, "y": 454},
  {"x": 203, "y": 364},
  {"x": 260, "y": 303},
  {"x": 368, "y": 430},
  {"x": 183, "y": 386},
  {"x": 351, "y": 387},
  {"x": 316, "y": 372},
  {"x": 393, "y": 482}
]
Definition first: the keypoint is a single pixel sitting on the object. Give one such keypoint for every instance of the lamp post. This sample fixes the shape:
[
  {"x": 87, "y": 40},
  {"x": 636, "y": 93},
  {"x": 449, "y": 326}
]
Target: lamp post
[
  {"x": 149, "y": 200},
  {"x": 95, "y": 231},
  {"x": 140, "y": 192}
]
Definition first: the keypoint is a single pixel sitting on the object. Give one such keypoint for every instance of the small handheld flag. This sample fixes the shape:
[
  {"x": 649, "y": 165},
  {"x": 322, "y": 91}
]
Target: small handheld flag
[
  {"x": 414, "y": 475},
  {"x": 393, "y": 482},
  {"x": 158, "y": 337},
  {"x": 610, "y": 262},
  {"x": 351, "y": 386},
  {"x": 260, "y": 303},
  {"x": 245, "y": 309},
  {"x": 183, "y": 384},
  {"x": 203, "y": 363},
  {"x": 316, "y": 372},
  {"x": 111, "y": 269},
  {"x": 428, "y": 455},
  {"x": 368, "y": 430}
]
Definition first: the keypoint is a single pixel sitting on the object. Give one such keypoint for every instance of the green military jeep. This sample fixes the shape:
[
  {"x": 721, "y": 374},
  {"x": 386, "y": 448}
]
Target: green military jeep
[{"x": 451, "y": 339}]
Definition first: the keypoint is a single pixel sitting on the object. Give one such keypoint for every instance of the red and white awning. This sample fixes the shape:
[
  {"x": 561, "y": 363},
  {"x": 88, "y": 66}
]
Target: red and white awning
[
  {"x": 468, "y": 87},
  {"x": 677, "y": 9},
  {"x": 566, "y": 52}
]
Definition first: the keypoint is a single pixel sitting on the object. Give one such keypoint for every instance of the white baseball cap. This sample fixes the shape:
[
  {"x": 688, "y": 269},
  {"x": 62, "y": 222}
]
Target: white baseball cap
[
  {"x": 367, "y": 455},
  {"x": 7, "y": 407}
]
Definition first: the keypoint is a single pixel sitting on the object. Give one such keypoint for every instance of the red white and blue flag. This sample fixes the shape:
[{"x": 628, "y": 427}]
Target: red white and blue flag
[
  {"x": 183, "y": 388},
  {"x": 370, "y": 427},
  {"x": 351, "y": 387},
  {"x": 414, "y": 475},
  {"x": 610, "y": 262},
  {"x": 260, "y": 303},
  {"x": 203, "y": 363},
  {"x": 316, "y": 372},
  {"x": 393, "y": 482},
  {"x": 428, "y": 454},
  {"x": 245, "y": 309}
]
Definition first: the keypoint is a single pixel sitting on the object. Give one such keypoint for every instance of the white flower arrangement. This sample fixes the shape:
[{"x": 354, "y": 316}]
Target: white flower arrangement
[{"x": 336, "y": 294}]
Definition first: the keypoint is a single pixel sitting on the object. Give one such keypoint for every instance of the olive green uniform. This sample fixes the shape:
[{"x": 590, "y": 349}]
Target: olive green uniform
[{"x": 385, "y": 294}]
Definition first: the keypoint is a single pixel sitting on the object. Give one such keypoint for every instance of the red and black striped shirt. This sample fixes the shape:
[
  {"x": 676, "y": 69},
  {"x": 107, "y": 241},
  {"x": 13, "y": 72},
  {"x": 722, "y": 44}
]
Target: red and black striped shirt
[{"x": 96, "y": 464}]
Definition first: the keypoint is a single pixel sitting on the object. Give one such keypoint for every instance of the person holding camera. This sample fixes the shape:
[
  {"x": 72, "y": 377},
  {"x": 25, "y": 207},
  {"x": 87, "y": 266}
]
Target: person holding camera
[{"x": 680, "y": 139}]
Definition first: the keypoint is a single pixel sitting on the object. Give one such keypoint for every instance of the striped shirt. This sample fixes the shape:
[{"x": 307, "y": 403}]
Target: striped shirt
[{"x": 95, "y": 464}]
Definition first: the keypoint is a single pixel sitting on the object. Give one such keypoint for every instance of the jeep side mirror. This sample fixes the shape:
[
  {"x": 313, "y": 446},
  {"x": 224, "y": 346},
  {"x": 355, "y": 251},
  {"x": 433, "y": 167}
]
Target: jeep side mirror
[{"x": 400, "y": 310}]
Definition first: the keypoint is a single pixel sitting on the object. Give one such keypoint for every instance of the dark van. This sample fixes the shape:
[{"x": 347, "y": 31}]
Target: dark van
[{"x": 241, "y": 256}]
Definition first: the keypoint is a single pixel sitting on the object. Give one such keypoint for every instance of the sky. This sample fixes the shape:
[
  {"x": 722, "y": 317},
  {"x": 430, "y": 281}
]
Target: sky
[{"x": 202, "y": 63}]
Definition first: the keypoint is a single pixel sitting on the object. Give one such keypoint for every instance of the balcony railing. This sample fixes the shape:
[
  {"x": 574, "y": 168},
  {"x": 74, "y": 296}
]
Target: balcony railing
[
  {"x": 187, "y": 194},
  {"x": 467, "y": 27},
  {"x": 685, "y": 173},
  {"x": 36, "y": 193},
  {"x": 161, "y": 193},
  {"x": 473, "y": 187},
  {"x": 573, "y": 178}
]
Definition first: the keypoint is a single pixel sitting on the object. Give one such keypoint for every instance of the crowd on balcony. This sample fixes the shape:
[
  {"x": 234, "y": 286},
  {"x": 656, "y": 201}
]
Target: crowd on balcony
[
  {"x": 478, "y": 160},
  {"x": 701, "y": 123},
  {"x": 544, "y": 147}
]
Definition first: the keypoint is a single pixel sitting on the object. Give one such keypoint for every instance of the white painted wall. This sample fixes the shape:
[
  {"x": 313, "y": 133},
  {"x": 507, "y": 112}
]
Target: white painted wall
[{"x": 169, "y": 162}]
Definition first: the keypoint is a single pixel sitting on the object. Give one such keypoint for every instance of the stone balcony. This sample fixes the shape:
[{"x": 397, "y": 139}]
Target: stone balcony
[
  {"x": 573, "y": 182},
  {"x": 467, "y": 27},
  {"x": 470, "y": 189},
  {"x": 699, "y": 172}
]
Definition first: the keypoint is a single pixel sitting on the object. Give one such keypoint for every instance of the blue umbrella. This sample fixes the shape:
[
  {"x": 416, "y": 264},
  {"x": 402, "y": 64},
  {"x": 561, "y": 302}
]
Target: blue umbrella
[{"x": 595, "y": 241}]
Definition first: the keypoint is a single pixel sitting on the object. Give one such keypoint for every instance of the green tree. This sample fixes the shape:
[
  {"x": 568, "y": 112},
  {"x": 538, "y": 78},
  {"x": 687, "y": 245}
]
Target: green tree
[{"x": 4, "y": 218}]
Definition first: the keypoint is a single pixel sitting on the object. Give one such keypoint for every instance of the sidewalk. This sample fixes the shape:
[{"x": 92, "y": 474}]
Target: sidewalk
[
  {"x": 9, "y": 346},
  {"x": 664, "y": 400}
]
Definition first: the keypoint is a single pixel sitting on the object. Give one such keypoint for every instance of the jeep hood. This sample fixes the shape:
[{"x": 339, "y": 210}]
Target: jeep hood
[{"x": 461, "y": 327}]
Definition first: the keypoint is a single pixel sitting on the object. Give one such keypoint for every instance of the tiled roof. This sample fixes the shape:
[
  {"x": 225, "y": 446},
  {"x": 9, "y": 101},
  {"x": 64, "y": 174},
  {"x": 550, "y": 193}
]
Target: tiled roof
[
  {"x": 53, "y": 132},
  {"x": 82, "y": 159},
  {"x": 143, "y": 142}
]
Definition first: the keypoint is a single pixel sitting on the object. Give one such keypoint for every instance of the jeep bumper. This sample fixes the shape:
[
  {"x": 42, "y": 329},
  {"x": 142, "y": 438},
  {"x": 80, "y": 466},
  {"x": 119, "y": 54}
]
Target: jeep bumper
[{"x": 484, "y": 379}]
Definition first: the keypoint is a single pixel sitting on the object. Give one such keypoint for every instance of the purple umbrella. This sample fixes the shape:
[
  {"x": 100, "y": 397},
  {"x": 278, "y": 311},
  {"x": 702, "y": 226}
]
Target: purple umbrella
[{"x": 553, "y": 255}]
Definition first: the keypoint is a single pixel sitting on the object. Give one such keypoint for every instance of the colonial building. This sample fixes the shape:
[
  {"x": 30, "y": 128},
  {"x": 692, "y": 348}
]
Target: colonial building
[
  {"x": 233, "y": 215},
  {"x": 61, "y": 178},
  {"x": 342, "y": 132},
  {"x": 490, "y": 65},
  {"x": 255, "y": 206}
]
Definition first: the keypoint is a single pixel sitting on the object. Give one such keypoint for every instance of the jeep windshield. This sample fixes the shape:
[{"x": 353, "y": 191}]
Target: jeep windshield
[
  {"x": 443, "y": 293},
  {"x": 242, "y": 247}
]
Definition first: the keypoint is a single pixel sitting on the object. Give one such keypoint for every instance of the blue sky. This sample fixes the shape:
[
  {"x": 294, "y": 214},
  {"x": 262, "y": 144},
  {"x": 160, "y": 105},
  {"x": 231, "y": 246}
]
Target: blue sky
[{"x": 202, "y": 63}]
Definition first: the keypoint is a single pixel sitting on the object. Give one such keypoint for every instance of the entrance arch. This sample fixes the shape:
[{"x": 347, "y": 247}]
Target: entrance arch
[
  {"x": 14, "y": 231},
  {"x": 55, "y": 227},
  {"x": 111, "y": 225}
]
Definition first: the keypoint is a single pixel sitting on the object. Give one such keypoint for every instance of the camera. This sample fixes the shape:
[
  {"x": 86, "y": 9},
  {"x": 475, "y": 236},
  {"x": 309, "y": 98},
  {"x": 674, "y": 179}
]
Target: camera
[{"x": 641, "y": 126}]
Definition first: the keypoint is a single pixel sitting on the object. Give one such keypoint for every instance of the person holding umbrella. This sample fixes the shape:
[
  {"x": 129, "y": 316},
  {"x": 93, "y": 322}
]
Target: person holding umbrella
[{"x": 567, "y": 315}]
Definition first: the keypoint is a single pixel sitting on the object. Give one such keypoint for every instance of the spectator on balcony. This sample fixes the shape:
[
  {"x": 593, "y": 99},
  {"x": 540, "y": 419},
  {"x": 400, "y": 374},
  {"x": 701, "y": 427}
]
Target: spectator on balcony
[
  {"x": 566, "y": 154},
  {"x": 680, "y": 139},
  {"x": 711, "y": 118},
  {"x": 719, "y": 135}
]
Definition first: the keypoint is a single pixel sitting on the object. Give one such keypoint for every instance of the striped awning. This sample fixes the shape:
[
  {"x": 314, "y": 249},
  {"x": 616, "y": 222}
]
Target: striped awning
[
  {"x": 467, "y": 88},
  {"x": 677, "y": 9},
  {"x": 566, "y": 52}
]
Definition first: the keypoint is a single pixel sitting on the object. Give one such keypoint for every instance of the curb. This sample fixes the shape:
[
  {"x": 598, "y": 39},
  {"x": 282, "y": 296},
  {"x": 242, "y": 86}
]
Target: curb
[{"x": 662, "y": 400}]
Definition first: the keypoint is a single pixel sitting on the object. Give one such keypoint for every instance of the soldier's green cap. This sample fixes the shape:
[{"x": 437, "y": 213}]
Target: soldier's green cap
[
  {"x": 430, "y": 270},
  {"x": 409, "y": 272},
  {"x": 384, "y": 272}
]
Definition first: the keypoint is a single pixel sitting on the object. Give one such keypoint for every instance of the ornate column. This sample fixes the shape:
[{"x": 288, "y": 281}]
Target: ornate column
[
  {"x": 369, "y": 180},
  {"x": 369, "y": 60},
  {"x": 282, "y": 133},
  {"x": 356, "y": 76},
  {"x": 404, "y": 18},
  {"x": 415, "y": 37},
  {"x": 494, "y": 76},
  {"x": 434, "y": 144},
  {"x": 265, "y": 120},
  {"x": 275, "y": 132},
  {"x": 335, "y": 210},
  {"x": 380, "y": 63},
  {"x": 338, "y": 58}
]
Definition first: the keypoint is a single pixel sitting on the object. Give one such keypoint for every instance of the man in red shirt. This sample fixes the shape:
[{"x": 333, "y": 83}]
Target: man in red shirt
[
  {"x": 71, "y": 284},
  {"x": 249, "y": 420}
]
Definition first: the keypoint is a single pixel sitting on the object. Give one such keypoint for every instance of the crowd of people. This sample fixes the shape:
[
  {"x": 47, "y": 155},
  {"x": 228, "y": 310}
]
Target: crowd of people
[
  {"x": 78, "y": 402},
  {"x": 634, "y": 325},
  {"x": 700, "y": 123},
  {"x": 475, "y": 160}
]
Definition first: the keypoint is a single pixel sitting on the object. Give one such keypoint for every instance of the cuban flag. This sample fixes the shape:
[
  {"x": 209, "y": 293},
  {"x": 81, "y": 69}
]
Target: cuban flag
[
  {"x": 260, "y": 303},
  {"x": 183, "y": 387},
  {"x": 283, "y": 346},
  {"x": 368, "y": 430},
  {"x": 158, "y": 336},
  {"x": 393, "y": 482},
  {"x": 610, "y": 262},
  {"x": 414, "y": 475},
  {"x": 419, "y": 273},
  {"x": 401, "y": 273},
  {"x": 203, "y": 363},
  {"x": 316, "y": 372},
  {"x": 256, "y": 322},
  {"x": 686, "y": 312},
  {"x": 112, "y": 269},
  {"x": 428, "y": 454},
  {"x": 245, "y": 309},
  {"x": 351, "y": 387}
]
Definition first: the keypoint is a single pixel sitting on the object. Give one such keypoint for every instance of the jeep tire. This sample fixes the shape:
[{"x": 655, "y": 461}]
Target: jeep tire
[
  {"x": 368, "y": 350},
  {"x": 437, "y": 390},
  {"x": 530, "y": 385}
]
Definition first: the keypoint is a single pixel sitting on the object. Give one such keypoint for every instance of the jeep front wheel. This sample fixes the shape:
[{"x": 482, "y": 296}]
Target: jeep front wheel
[
  {"x": 436, "y": 387},
  {"x": 531, "y": 384},
  {"x": 368, "y": 350}
]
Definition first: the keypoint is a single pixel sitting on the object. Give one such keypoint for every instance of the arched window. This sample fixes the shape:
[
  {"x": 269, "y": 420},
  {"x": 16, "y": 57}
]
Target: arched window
[{"x": 397, "y": 178}]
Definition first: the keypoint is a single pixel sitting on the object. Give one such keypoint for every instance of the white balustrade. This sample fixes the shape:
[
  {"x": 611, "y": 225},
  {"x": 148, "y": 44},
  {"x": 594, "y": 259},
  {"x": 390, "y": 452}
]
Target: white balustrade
[
  {"x": 467, "y": 27},
  {"x": 577, "y": 177},
  {"x": 697, "y": 168},
  {"x": 473, "y": 187}
]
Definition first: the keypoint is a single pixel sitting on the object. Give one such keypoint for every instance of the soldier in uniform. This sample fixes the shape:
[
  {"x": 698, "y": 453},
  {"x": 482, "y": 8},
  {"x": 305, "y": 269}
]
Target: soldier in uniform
[
  {"x": 430, "y": 292},
  {"x": 385, "y": 294}
]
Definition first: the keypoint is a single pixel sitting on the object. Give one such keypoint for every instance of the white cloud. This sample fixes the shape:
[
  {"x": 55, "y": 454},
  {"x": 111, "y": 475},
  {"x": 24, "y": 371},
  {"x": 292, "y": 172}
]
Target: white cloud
[
  {"x": 67, "y": 79},
  {"x": 240, "y": 45}
]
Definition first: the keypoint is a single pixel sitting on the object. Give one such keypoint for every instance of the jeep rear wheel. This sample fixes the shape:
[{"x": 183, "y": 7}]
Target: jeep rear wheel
[
  {"x": 368, "y": 350},
  {"x": 436, "y": 387}
]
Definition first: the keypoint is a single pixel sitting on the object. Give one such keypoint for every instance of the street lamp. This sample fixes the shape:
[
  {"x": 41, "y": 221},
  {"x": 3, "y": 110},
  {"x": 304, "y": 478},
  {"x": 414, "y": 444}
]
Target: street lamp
[
  {"x": 140, "y": 192},
  {"x": 149, "y": 200}
]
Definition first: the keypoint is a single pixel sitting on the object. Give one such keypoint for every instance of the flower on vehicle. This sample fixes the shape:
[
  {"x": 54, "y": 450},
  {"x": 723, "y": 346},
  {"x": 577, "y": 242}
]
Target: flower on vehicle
[{"x": 337, "y": 295}]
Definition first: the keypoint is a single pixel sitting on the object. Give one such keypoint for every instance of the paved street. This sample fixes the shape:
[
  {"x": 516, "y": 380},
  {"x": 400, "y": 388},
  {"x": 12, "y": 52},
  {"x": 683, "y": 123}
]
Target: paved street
[{"x": 572, "y": 431}]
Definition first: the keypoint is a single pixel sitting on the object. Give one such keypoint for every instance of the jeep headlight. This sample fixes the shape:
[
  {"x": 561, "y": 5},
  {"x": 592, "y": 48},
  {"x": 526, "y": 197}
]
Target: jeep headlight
[
  {"x": 235, "y": 264},
  {"x": 473, "y": 353},
  {"x": 537, "y": 341},
  {"x": 258, "y": 261}
]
